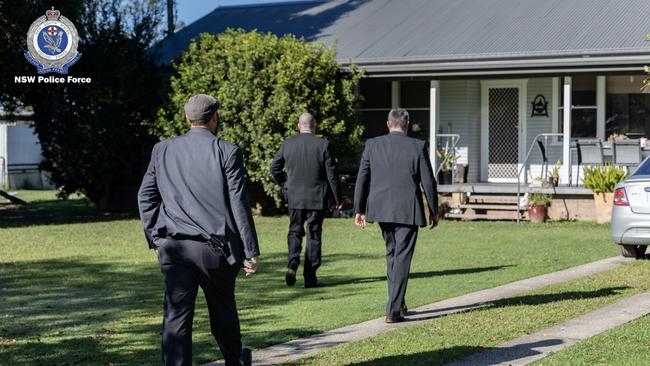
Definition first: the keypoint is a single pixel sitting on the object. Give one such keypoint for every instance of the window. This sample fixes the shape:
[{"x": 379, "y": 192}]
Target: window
[
  {"x": 583, "y": 109},
  {"x": 376, "y": 94},
  {"x": 627, "y": 109},
  {"x": 375, "y": 106},
  {"x": 414, "y": 97}
]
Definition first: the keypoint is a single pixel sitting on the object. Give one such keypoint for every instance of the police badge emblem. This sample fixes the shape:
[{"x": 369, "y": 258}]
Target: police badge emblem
[{"x": 52, "y": 42}]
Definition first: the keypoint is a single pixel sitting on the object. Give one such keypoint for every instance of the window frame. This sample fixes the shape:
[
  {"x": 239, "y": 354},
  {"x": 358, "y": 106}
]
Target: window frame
[{"x": 601, "y": 94}]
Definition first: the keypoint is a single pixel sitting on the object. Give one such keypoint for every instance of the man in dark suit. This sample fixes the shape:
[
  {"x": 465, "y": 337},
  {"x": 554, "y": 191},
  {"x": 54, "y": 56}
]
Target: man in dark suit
[
  {"x": 194, "y": 207},
  {"x": 310, "y": 181},
  {"x": 393, "y": 173}
]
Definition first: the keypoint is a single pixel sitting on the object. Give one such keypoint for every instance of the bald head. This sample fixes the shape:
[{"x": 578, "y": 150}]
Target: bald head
[{"x": 307, "y": 123}]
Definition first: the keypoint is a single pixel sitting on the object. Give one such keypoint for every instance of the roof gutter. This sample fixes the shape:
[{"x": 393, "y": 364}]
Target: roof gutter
[{"x": 502, "y": 67}]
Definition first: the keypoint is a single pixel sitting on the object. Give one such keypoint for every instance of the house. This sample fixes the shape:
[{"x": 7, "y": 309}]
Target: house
[
  {"x": 492, "y": 76},
  {"x": 21, "y": 155}
]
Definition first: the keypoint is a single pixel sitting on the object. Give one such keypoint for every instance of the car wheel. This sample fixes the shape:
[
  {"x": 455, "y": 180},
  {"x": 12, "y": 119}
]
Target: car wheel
[{"x": 632, "y": 251}]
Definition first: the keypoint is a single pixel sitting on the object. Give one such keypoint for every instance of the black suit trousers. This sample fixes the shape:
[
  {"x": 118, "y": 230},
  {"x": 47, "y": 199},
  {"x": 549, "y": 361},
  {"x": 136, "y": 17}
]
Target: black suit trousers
[
  {"x": 400, "y": 245},
  {"x": 186, "y": 265},
  {"x": 314, "y": 220}
]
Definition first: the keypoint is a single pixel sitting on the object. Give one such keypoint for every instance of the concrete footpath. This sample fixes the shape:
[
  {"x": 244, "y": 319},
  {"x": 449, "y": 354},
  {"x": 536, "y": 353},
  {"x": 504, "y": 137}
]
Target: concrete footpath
[
  {"x": 533, "y": 347},
  {"x": 311, "y": 345}
]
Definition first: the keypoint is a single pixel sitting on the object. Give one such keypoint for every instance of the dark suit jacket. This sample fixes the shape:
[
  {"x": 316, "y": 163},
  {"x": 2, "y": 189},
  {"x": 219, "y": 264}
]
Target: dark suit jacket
[
  {"x": 311, "y": 172},
  {"x": 195, "y": 186},
  {"x": 393, "y": 171}
]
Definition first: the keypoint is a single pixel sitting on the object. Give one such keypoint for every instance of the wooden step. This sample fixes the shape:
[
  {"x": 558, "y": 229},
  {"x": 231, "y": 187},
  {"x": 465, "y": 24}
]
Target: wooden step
[
  {"x": 475, "y": 206},
  {"x": 476, "y": 198},
  {"x": 499, "y": 215}
]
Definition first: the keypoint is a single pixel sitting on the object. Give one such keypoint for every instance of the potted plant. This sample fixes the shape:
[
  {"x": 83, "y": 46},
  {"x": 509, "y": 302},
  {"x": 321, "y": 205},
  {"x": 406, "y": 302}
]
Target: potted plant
[
  {"x": 537, "y": 203},
  {"x": 555, "y": 174},
  {"x": 447, "y": 160},
  {"x": 602, "y": 180}
]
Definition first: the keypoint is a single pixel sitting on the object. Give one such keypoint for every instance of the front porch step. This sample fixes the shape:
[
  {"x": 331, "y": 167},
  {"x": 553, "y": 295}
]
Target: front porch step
[
  {"x": 485, "y": 207},
  {"x": 492, "y": 199},
  {"x": 494, "y": 215},
  {"x": 492, "y": 207},
  {"x": 511, "y": 189}
]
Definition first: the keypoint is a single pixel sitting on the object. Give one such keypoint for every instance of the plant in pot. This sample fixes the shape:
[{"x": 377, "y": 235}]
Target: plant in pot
[
  {"x": 554, "y": 179},
  {"x": 537, "y": 203},
  {"x": 602, "y": 179},
  {"x": 447, "y": 160}
]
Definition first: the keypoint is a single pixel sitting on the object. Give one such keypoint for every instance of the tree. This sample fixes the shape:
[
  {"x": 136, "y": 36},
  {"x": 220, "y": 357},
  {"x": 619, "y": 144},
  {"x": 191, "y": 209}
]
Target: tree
[
  {"x": 263, "y": 83},
  {"x": 92, "y": 135}
]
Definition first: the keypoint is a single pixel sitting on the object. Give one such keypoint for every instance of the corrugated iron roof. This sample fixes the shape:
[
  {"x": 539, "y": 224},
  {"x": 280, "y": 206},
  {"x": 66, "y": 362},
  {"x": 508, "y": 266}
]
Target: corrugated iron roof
[{"x": 385, "y": 34}]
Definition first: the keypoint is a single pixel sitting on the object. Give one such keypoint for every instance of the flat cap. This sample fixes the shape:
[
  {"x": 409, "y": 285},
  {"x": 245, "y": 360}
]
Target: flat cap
[{"x": 200, "y": 107}]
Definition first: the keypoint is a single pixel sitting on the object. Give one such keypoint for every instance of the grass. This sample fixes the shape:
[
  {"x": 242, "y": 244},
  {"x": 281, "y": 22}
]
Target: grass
[
  {"x": 79, "y": 287},
  {"x": 448, "y": 338},
  {"x": 623, "y": 345}
]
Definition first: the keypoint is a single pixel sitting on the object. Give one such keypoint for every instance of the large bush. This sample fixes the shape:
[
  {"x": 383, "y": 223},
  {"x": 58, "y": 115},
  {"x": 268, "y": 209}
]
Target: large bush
[{"x": 263, "y": 83}]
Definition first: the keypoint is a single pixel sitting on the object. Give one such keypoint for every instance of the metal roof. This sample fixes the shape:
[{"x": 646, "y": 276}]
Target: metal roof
[{"x": 435, "y": 37}]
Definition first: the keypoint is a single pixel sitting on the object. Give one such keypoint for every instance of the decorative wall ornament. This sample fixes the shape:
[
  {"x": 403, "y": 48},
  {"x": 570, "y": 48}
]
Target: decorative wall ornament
[{"x": 540, "y": 106}]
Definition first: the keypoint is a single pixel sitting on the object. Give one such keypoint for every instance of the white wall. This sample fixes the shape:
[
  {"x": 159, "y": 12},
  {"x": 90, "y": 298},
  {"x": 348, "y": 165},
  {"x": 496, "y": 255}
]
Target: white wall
[
  {"x": 21, "y": 154},
  {"x": 23, "y": 146},
  {"x": 460, "y": 113},
  {"x": 538, "y": 124}
]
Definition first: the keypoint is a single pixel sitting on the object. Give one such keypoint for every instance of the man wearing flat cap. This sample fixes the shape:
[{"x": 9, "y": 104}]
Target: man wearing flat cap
[
  {"x": 309, "y": 183},
  {"x": 394, "y": 172},
  {"x": 195, "y": 212}
]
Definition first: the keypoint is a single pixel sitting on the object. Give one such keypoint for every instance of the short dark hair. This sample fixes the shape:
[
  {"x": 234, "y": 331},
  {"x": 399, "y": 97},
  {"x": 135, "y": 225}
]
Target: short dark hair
[{"x": 398, "y": 118}]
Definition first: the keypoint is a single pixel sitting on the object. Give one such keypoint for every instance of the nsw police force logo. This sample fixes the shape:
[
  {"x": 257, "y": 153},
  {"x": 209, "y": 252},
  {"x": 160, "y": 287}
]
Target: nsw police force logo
[{"x": 52, "y": 42}]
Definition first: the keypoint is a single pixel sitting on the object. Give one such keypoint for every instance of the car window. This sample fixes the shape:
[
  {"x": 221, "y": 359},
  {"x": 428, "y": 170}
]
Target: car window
[{"x": 644, "y": 168}]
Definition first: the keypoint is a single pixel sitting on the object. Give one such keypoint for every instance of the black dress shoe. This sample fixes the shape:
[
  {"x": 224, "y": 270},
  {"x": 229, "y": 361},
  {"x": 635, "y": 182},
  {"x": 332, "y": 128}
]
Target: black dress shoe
[
  {"x": 290, "y": 277},
  {"x": 394, "y": 319},
  {"x": 246, "y": 357},
  {"x": 403, "y": 310},
  {"x": 314, "y": 284}
]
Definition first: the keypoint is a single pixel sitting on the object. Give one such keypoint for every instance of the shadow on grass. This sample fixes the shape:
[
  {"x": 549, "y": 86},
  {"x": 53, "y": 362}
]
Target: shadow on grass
[
  {"x": 529, "y": 300},
  {"x": 70, "y": 311},
  {"x": 492, "y": 356},
  {"x": 439, "y": 357},
  {"x": 58, "y": 211},
  {"x": 81, "y": 311},
  {"x": 428, "y": 274}
]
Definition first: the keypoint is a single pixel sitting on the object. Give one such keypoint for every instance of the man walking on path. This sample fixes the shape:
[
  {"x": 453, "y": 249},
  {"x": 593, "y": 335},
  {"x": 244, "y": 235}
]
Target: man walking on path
[
  {"x": 195, "y": 212},
  {"x": 393, "y": 173},
  {"x": 308, "y": 184}
]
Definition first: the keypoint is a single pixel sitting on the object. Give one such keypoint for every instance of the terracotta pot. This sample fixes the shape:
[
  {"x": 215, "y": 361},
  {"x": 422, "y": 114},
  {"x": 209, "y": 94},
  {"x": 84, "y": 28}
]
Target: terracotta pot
[
  {"x": 603, "y": 203},
  {"x": 537, "y": 213}
]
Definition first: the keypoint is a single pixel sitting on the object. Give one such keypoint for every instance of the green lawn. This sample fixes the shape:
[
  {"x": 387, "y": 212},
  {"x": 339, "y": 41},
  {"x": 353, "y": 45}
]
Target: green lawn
[
  {"x": 79, "y": 287},
  {"x": 448, "y": 338},
  {"x": 625, "y": 345}
]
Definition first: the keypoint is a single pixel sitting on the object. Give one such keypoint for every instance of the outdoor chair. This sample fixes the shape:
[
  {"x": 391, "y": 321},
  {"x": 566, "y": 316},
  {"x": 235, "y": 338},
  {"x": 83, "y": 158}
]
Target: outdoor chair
[
  {"x": 590, "y": 152},
  {"x": 626, "y": 152}
]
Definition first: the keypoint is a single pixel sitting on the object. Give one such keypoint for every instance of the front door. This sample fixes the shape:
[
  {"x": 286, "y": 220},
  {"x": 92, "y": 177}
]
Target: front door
[{"x": 502, "y": 127}]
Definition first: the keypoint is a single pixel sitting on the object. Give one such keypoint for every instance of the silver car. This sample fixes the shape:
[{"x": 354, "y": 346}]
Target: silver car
[{"x": 631, "y": 212}]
